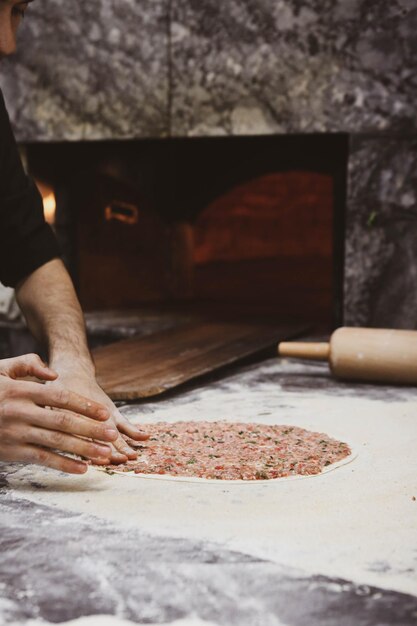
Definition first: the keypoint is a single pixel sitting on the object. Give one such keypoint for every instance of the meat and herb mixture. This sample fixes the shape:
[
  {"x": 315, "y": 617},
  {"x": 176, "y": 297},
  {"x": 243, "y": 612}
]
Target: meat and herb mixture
[{"x": 233, "y": 451}]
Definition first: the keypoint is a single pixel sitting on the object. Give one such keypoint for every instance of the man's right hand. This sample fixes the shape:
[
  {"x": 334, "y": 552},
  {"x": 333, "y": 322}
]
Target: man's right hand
[{"x": 38, "y": 422}]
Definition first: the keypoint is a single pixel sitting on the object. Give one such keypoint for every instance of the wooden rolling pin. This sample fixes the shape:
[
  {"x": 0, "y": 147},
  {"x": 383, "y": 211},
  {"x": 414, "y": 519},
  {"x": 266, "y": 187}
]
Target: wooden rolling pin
[{"x": 372, "y": 354}]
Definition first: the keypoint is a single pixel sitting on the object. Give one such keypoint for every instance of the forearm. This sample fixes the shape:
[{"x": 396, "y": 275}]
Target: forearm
[{"x": 53, "y": 314}]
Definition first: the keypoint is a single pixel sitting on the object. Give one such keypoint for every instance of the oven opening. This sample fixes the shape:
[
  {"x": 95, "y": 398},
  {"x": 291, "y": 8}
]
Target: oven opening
[{"x": 239, "y": 225}]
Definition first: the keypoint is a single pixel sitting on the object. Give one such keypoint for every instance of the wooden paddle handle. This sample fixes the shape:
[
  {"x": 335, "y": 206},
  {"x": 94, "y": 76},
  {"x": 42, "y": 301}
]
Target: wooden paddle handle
[{"x": 305, "y": 350}]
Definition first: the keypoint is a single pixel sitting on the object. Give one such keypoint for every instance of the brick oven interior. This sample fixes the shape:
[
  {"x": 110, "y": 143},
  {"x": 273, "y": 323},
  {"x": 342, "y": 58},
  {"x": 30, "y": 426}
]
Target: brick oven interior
[
  {"x": 183, "y": 220},
  {"x": 246, "y": 227}
]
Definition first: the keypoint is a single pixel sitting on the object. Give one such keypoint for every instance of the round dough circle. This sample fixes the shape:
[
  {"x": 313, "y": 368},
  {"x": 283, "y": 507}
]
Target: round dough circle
[{"x": 216, "y": 481}]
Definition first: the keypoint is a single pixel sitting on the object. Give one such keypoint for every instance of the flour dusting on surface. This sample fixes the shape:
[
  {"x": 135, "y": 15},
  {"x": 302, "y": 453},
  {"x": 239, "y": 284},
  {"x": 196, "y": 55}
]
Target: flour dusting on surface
[
  {"x": 298, "y": 523},
  {"x": 111, "y": 620}
]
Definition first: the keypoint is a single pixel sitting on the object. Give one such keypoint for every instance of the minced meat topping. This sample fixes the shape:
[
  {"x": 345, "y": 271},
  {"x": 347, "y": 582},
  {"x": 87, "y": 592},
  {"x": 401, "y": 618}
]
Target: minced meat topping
[{"x": 233, "y": 451}]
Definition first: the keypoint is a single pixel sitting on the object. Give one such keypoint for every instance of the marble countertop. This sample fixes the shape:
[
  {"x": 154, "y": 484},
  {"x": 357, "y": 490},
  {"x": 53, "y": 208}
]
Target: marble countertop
[{"x": 337, "y": 549}]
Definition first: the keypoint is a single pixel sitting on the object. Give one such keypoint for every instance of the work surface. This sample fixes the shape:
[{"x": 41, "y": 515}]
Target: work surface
[{"x": 333, "y": 550}]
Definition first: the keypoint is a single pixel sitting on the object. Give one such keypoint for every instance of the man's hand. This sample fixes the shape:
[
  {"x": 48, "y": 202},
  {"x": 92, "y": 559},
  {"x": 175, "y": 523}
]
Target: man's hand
[
  {"x": 37, "y": 419},
  {"x": 84, "y": 382},
  {"x": 53, "y": 313}
]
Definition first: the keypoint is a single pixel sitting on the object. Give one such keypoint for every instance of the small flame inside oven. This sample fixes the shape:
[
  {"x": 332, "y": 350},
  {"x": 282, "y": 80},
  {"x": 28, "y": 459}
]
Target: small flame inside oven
[{"x": 49, "y": 201}]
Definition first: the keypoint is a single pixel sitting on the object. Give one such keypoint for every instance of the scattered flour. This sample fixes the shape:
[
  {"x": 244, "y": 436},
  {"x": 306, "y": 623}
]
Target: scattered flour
[
  {"x": 368, "y": 503},
  {"x": 110, "y": 620}
]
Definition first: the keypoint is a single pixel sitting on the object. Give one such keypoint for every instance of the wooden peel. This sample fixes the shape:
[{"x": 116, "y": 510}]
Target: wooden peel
[
  {"x": 372, "y": 354},
  {"x": 147, "y": 366}
]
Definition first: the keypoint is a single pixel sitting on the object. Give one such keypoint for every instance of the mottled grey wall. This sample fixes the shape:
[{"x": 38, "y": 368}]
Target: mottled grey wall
[
  {"x": 121, "y": 68},
  {"x": 89, "y": 70},
  {"x": 293, "y": 66},
  {"x": 127, "y": 69},
  {"x": 381, "y": 244}
]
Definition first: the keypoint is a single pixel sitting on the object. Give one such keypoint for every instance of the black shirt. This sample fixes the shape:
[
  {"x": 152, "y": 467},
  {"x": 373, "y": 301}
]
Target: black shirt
[{"x": 26, "y": 240}]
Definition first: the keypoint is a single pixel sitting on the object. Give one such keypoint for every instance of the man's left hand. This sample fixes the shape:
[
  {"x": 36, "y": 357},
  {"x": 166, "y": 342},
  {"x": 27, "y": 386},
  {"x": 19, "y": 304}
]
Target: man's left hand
[{"x": 85, "y": 384}]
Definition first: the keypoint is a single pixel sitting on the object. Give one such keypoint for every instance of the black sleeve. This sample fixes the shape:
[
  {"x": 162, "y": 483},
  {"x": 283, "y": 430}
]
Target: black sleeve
[{"x": 26, "y": 240}]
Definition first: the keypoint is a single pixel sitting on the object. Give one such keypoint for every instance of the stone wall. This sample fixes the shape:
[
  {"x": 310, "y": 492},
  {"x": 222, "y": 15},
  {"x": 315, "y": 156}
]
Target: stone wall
[
  {"x": 89, "y": 70},
  {"x": 158, "y": 68}
]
